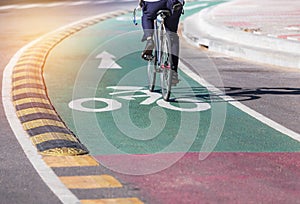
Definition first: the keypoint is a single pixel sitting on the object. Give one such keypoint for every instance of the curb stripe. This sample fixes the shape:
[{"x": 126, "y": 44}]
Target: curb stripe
[
  {"x": 42, "y": 122},
  {"x": 90, "y": 182},
  {"x": 26, "y": 64},
  {"x": 29, "y": 59},
  {"x": 28, "y": 77},
  {"x": 30, "y": 100},
  {"x": 26, "y": 81},
  {"x": 28, "y": 69},
  {"x": 31, "y": 56},
  {"x": 46, "y": 137},
  {"x": 36, "y": 116},
  {"x": 26, "y": 90},
  {"x": 47, "y": 129},
  {"x": 62, "y": 151},
  {"x": 70, "y": 161},
  {"x": 36, "y": 86},
  {"x": 27, "y": 73},
  {"x": 29, "y": 95},
  {"x": 31, "y": 108},
  {"x": 34, "y": 105},
  {"x": 35, "y": 110},
  {"x": 59, "y": 144}
]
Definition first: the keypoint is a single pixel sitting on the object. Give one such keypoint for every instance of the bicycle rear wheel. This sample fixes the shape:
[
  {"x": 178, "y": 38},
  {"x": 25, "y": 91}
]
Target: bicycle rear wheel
[{"x": 166, "y": 64}]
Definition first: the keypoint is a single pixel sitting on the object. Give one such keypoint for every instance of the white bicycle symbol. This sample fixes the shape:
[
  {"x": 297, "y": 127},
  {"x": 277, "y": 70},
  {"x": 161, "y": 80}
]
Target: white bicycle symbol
[{"x": 129, "y": 93}]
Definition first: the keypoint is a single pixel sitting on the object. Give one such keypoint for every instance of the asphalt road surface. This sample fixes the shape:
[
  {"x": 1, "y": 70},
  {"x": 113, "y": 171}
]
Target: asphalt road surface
[{"x": 259, "y": 160}]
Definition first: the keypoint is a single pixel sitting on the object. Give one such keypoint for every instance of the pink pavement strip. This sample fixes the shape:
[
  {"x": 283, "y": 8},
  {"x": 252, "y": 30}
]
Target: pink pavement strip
[
  {"x": 270, "y": 17},
  {"x": 230, "y": 177}
]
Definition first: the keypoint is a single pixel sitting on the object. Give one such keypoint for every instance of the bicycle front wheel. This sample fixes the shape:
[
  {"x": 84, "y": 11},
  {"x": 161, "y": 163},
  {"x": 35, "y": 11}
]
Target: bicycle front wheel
[
  {"x": 151, "y": 70},
  {"x": 166, "y": 64}
]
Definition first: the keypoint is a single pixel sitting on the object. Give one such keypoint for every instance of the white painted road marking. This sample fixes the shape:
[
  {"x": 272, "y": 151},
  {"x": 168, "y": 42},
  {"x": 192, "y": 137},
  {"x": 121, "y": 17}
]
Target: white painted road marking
[
  {"x": 239, "y": 105},
  {"x": 150, "y": 98},
  {"x": 107, "y": 61}
]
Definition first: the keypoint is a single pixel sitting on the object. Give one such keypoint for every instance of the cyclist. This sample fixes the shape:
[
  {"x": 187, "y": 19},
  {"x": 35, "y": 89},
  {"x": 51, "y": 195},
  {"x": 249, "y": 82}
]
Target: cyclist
[{"x": 150, "y": 9}]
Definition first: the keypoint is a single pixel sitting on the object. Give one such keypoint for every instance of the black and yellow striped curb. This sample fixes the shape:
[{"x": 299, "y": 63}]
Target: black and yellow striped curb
[
  {"x": 46, "y": 129},
  {"x": 61, "y": 149},
  {"x": 102, "y": 187}
]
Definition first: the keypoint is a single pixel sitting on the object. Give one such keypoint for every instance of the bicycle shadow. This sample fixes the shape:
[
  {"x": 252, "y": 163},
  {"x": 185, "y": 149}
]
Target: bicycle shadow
[{"x": 230, "y": 94}]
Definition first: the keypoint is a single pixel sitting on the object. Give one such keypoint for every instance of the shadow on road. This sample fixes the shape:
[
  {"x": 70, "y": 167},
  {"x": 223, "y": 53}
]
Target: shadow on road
[{"x": 235, "y": 93}]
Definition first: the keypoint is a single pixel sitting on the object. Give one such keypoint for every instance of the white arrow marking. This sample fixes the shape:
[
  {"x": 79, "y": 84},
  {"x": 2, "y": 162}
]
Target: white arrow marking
[{"x": 107, "y": 61}]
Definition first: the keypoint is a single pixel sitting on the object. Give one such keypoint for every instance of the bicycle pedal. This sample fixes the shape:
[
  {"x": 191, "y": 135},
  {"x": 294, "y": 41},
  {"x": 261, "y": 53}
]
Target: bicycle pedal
[
  {"x": 165, "y": 67},
  {"x": 148, "y": 57}
]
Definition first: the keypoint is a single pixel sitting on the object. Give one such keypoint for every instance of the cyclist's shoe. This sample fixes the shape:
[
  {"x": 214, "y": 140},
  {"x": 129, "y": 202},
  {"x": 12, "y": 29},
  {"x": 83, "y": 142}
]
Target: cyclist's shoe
[
  {"x": 147, "y": 53},
  {"x": 175, "y": 79}
]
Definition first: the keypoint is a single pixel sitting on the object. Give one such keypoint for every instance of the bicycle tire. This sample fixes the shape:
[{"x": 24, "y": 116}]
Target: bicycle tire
[
  {"x": 151, "y": 71},
  {"x": 166, "y": 64},
  {"x": 153, "y": 63}
]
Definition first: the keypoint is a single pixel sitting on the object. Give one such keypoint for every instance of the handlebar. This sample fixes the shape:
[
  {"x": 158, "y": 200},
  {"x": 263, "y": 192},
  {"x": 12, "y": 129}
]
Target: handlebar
[{"x": 134, "y": 15}]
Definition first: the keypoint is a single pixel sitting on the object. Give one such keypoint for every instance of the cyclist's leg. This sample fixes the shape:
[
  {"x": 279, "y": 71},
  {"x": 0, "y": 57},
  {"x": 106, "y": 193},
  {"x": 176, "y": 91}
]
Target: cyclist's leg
[
  {"x": 150, "y": 10},
  {"x": 172, "y": 28}
]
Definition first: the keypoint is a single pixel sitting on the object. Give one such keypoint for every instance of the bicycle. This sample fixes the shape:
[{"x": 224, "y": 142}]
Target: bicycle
[{"x": 161, "y": 62}]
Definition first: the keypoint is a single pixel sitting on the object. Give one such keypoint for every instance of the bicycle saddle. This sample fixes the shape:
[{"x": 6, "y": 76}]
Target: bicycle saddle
[{"x": 164, "y": 13}]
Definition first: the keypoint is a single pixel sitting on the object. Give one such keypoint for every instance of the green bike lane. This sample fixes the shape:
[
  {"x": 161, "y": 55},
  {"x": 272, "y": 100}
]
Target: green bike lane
[{"x": 197, "y": 147}]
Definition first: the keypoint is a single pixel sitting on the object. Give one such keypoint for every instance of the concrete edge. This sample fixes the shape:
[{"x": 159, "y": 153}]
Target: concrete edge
[{"x": 198, "y": 31}]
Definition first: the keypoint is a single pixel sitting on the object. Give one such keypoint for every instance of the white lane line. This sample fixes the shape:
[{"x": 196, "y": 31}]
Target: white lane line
[
  {"x": 45, "y": 172},
  {"x": 28, "y": 6},
  {"x": 7, "y": 7},
  {"x": 53, "y": 5},
  {"x": 101, "y": 2},
  {"x": 78, "y": 3},
  {"x": 239, "y": 105}
]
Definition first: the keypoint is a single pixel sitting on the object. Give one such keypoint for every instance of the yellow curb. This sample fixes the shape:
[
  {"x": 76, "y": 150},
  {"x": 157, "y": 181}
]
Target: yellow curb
[
  {"x": 70, "y": 161},
  {"x": 90, "y": 182}
]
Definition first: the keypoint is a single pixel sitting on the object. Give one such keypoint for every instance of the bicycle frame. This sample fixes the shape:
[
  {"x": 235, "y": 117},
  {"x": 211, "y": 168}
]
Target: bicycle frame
[
  {"x": 159, "y": 39},
  {"x": 158, "y": 23},
  {"x": 161, "y": 62}
]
